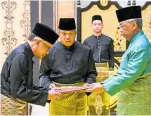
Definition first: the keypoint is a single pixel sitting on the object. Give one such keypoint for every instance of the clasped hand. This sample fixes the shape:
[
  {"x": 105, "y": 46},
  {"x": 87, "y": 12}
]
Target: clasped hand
[{"x": 95, "y": 87}]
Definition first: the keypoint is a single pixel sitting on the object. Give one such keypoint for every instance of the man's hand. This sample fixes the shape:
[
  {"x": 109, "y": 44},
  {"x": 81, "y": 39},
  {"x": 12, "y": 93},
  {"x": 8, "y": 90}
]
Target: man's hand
[
  {"x": 96, "y": 87},
  {"x": 53, "y": 93},
  {"x": 52, "y": 85},
  {"x": 87, "y": 85}
]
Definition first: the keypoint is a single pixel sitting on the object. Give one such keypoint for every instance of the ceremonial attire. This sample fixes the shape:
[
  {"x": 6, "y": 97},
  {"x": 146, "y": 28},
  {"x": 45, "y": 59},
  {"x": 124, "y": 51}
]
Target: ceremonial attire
[
  {"x": 68, "y": 66},
  {"x": 102, "y": 48},
  {"x": 17, "y": 82},
  {"x": 133, "y": 79},
  {"x": 17, "y": 76}
]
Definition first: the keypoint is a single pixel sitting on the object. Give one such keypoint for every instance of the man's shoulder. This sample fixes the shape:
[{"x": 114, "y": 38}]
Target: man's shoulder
[
  {"x": 18, "y": 53},
  {"x": 106, "y": 36},
  {"x": 90, "y": 37},
  {"x": 57, "y": 45},
  {"x": 143, "y": 42},
  {"x": 81, "y": 46},
  {"x": 19, "y": 50}
]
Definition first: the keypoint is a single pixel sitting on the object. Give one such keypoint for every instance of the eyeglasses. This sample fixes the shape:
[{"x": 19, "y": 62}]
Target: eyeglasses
[
  {"x": 45, "y": 45},
  {"x": 122, "y": 25}
]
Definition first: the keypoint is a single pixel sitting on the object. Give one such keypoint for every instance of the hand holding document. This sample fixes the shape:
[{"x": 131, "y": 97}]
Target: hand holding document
[
  {"x": 96, "y": 87},
  {"x": 53, "y": 93},
  {"x": 65, "y": 89}
]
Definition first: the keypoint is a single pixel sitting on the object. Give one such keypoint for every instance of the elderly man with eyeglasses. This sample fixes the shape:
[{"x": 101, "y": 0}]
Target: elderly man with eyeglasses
[
  {"x": 17, "y": 87},
  {"x": 132, "y": 82}
]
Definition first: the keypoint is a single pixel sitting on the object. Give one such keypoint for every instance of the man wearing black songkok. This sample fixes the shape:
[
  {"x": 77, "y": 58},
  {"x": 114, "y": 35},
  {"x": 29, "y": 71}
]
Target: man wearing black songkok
[
  {"x": 100, "y": 44},
  {"x": 132, "y": 82},
  {"x": 16, "y": 77},
  {"x": 68, "y": 63}
]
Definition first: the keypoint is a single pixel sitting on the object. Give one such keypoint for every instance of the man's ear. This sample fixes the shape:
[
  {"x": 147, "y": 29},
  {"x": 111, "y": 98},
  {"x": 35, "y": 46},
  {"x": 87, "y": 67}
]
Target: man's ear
[
  {"x": 102, "y": 25},
  {"x": 134, "y": 25}
]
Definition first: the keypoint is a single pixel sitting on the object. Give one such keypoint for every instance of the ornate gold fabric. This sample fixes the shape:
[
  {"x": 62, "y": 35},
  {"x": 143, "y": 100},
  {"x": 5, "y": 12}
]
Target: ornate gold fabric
[
  {"x": 11, "y": 106},
  {"x": 72, "y": 103}
]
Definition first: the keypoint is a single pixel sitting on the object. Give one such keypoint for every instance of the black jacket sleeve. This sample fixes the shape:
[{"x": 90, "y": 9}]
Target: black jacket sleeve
[
  {"x": 45, "y": 71},
  {"x": 20, "y": 88},
  {"x": 86, "y": 42},
  {"x": 111, "y": 54},
  {"x": 91, "y": 71}
]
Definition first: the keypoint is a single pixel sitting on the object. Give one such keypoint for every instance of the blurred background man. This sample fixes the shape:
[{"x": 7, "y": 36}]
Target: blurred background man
[{"x": 100, "y": 44}]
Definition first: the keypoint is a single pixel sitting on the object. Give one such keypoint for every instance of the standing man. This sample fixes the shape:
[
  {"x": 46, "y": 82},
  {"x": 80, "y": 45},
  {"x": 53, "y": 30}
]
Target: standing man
[
  {"x": 100, "y": 44},
  {"x": 133, "y": 79},
  {"x": 68, "y": 63},
  {"x": 16, "y": 77}
]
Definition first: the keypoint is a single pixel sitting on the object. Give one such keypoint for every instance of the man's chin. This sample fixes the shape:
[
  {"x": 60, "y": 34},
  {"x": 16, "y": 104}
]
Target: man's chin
[
  {"x": 68, "y": 44},
  {"x": 97, "y": 31}
]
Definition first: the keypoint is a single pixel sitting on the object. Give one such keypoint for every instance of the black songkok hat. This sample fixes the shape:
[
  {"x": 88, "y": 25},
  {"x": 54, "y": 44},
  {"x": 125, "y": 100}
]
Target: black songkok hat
[
  {"x": 46, "y": 33},
  {"x": 132, "y": 12},
  {"x": 96, "y": 17},
  {"x": 67, "y": 24}
]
